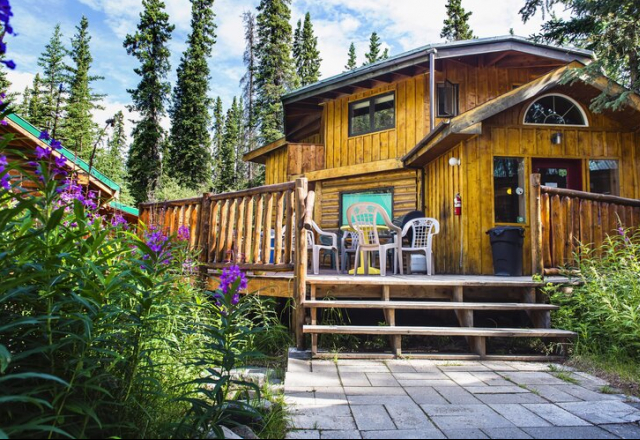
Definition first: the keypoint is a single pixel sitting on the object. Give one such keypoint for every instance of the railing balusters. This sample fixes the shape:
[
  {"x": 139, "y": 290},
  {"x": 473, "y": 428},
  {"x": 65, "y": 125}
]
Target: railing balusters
[
  {"x": 231, "y": 227},
  {"x": 266, "y": 228},
  {"x": 237, "y": 248},
  {"x": 258, "y": 233},
  {"x": 279, "y": 218},
  {"x": 250, "y": 230}
]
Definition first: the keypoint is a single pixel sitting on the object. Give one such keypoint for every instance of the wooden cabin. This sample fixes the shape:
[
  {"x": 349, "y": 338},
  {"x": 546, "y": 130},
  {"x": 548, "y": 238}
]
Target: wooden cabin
[
  {"x": 500, "y": 112},
  {"x": 27, "y": 137}
]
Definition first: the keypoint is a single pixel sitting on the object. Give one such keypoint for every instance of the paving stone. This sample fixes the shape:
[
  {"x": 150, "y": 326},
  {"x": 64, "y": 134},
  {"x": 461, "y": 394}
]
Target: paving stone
[
  {"x": 426, "y": 396},
  {"x": 428, "y": 383},
  {"x": 402, "y": 434},
  {"x": 457, "y": 395},
  {"x": 554, "y": 394},
  {"x": 512, "y": 389},
  {"x": 492, "y": 379},
  {"x": 569, "y": 433},
  {"x": 466, "y": 379},
  {"x": 429, "y": 375},
  {"x": 374, "y": 391},
  {"x": 301, "y": 399},
  {"x": 409, "y": 417},
  {"x": 320, "y": 422},
  {"x": 319, "y": 379},
  {"x": 375, "y": 368},
  {"x": 585, "y": 394},
  {"x": 506, "y": 433},
  {"x": 372, "y": 418},
  {"x": 309, "y": 388},
  {"x": 322, "y": 363},
  {"x": 356, "y": 362},
  {"x": 628, "y": 430},
  {"x": 328, "y": 411},
  {"x": 463, "y": 366},
  {"x": 498, "y": 366},
  {"x": 382, "y": 380},
  {"x": 298, "y": 366},
  {"x": 376, "y": 400},
  {"x": 529, "y": 366},
  {"x": 603, "y": 412},
  {"x": 454, "y": 416},
  {"x": 424, "y": 365},
  {"x": 400, "y": 366},
  {"x": 556, "y": 415},
  {"x": 588, "y": 378},
  {"x": 294, "y": 435},
  {"x": 464, "y": 433},
  {"x": 533, "y": 378},
  {"x": 354, "y": 380},
  {"x": 519, "y": 416},
  {"x": 510, "y": 398},
  {"x": 340, "y": 434}
]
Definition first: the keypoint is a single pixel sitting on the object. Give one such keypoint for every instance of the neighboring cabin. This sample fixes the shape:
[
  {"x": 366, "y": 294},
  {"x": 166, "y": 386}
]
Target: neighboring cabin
[
  {"x": 500, "y": 109},
  {"x": 27, "y": 137}
]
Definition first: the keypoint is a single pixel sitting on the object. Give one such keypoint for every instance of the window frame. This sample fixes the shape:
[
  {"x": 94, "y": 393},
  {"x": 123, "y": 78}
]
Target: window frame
[
  {"x": 599, "y": 159},
  {"x": 371, "y": 100},
  {"x": 568, "y": 98},
  {"x": 383, "y": 190},
  {"x": 526, "y": 162},
  {"x": 456, "y": 89}
]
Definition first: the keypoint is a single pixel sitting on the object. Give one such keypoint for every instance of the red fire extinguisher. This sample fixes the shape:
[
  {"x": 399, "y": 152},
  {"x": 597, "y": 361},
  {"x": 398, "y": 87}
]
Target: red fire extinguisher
[{"x": 457, "y": 204}]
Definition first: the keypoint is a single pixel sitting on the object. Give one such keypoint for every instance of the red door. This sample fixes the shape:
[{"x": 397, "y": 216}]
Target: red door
[{"x": 559, "y": 173}]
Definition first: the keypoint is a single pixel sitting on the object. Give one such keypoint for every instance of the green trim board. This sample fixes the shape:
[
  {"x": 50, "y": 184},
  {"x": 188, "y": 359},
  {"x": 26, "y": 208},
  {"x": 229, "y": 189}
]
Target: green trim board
[
  {"x": 124, "y": 208},
  {"x": 23, "y": 123}
]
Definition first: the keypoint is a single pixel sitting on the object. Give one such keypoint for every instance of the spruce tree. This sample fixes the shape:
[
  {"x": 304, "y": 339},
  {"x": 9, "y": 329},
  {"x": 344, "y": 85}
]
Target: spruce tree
[
  {"x": 79, "y": 129},
  {"x": 456, "y": 25},
  {"x": 189, "y": 147},
  {"x": 5, "y": 84},
  {"x": 149, "y": 45},
  {"x": 275, "y": 70},
  {"x": 227, "y": 155},
  {"x": 23, "y": 109},
  {"x": 218, "y": 132},
  {"x": 374, "y": 49},
  {"x": 352, "y": 63},
  {"x": 35, "y": 111},
  {"x": 240, "y": 166},
  {"x": 53, "y": 69},
  {"x": 248, "y": 83},
  {"x": 385, "y": 54},
  {"x": 609, "y": 28},
  {"x": 111, "y": 159},
  {"x": 306, "y": 54}
]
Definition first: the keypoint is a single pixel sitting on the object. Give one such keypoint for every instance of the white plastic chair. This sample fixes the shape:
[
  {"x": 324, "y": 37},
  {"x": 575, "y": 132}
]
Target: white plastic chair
[
  {"x": 423, "y": 230},
  {"x": 363, "y": 218},
  {"x": 317, "y": 247},
  {"x": 346, "y": 249}
]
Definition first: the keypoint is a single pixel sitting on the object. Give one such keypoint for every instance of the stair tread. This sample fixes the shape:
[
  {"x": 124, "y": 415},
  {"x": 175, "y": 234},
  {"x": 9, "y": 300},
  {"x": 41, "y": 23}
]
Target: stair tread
[
  {"x": 428, "y": 305},
  {"x": 437, "y": 331}
]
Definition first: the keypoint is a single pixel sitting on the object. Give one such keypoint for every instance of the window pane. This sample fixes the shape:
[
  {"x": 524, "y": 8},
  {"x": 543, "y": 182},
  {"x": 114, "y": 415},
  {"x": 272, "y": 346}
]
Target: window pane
[
  {"x": 447, "y": 100},
  {"x": 509, "y": 185},
  {"x": 360, "y": 120},
  {"x": 556, "y": 110},
  {"x": 384, "y": 199},
  {"x": 384, "y": 113},
  {"x": 604, "y": 177}
]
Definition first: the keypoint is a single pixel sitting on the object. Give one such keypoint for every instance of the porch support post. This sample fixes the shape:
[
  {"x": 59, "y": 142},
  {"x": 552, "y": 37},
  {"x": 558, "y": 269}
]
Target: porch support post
[
  {"x": 300, "y": 279},
  {"x": 432, "y": 89},
  {"x": 537, "y": 262}
]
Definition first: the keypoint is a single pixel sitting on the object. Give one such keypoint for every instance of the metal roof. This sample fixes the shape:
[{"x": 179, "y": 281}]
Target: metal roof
[
  {"x": 124, "y": 208},
  {"x": 444, "y": 50}
]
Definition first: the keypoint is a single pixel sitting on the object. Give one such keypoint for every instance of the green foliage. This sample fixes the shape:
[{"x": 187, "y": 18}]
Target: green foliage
[
  {"x": 374, "y": 50},
  {"x": 610, "y": 28},
  {"x": 227, "y": 176},
  {"x": 352, "y": 63},
  {"x": 305, "y": 53},
  {"x": 53, "y": 68},
  {"x": 35, "y": 110},
  {"x": 249, "y": 92},
  {"x": 605, "y": 309},
  {"x": 275, "y": 68},
  {"x": 149, "y": 46},
  {"x": 111, "y": 159},
  {"x": 169, "y": 188},
  {"x": 456, "y": 25},
  {"x": 79, "y": 131},
  {"x": 189, "y": 156}
]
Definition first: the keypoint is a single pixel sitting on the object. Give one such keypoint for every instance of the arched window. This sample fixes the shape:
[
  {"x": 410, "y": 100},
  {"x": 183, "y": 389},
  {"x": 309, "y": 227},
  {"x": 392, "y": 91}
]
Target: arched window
[{"x": 555, "y": 110}]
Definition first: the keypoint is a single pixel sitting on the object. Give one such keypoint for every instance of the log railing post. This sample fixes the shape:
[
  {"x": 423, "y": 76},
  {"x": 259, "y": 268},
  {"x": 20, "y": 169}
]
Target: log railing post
[
  {"x": 537, "y": 262},
  {"x": 300, "y": 279},
  {"x": 205, "y": 224}
]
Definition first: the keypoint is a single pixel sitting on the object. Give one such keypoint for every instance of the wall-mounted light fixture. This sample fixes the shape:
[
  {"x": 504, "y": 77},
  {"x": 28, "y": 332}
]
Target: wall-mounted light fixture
[
  {"x": 454, "y": 161},
  {"x": 556, "y": 138}
]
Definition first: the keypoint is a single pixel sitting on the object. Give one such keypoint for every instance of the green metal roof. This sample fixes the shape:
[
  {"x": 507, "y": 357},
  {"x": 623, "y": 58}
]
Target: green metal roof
[
  {"x": 66, "y": 153},
  {"x": 124, "y": 208}
]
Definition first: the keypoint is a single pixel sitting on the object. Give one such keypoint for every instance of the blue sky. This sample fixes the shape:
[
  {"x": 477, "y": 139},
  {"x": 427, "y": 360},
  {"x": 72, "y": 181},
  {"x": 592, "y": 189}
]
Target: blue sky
[{"x": 402, "y": 25}]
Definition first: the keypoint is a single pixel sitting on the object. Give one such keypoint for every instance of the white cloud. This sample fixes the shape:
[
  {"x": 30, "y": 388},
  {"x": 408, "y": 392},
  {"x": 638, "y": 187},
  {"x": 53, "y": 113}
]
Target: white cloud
[{"x": 19, "y": 80}]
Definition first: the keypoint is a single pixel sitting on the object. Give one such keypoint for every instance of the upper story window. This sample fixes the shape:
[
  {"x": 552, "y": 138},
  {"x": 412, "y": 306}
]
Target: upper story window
[
  {"x": 373, "y": 114},
  {"x": 555, "y": 110},
  {"x": 447, "y": 100}
]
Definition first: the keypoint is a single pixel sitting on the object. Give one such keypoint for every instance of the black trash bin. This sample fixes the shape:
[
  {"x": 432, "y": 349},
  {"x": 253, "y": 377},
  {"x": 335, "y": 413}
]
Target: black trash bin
[{"x": 506, "y": 244}]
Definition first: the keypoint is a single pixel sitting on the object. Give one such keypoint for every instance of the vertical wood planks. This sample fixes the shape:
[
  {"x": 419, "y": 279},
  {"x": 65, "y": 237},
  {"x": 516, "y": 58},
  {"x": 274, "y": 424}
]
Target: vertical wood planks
[
  {"x": 257, "y": 233},
  {"x": 278, "y": 229},
  {"x": 288, "y": 238}
]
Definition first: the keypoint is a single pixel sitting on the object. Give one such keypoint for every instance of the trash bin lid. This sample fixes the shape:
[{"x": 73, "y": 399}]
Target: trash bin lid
[{"x": 499, "y": 230}]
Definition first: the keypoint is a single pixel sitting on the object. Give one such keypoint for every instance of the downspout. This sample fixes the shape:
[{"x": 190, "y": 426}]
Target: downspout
[{"x": 432, "y": 88}]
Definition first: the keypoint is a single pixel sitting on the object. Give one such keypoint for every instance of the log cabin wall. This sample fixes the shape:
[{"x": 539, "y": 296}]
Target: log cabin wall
[
  {"x": 504, "y": 135},
  {"x": 293, "y": 160},
  {"x": 276, "y": 167}
]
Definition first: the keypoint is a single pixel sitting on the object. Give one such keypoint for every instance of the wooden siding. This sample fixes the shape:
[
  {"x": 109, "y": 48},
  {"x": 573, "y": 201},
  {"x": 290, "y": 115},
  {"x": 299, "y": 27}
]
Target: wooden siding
[
  {"x": 293, "y": 160},
  {"x": 505, "y": 135},
  {"x": 404, "y": 184},
  {"x": 477, "y": 85},
  {"x": 276, "y": 167}
]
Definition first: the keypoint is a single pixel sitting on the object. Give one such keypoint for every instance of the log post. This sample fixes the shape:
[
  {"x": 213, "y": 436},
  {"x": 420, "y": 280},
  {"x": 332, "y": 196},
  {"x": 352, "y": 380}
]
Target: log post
[
  {"x": 205, "y": 225},
  {"x": 537, "y": 262},
  {"x": 300, "y": 279}
]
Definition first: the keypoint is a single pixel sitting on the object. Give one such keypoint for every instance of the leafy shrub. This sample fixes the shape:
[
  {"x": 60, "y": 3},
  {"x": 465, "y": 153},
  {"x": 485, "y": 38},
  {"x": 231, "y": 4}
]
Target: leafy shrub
[{"x": 605, "y": 309}]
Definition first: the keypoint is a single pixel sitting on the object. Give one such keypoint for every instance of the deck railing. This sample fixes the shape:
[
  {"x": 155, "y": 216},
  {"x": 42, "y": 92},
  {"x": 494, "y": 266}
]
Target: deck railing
[{"x": 564, "y": 220}]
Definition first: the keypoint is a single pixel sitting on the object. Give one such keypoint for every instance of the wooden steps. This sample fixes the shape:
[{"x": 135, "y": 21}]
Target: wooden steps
[
  {"x": 438, "y": 331},
  {"x": 427, "y": 305}
]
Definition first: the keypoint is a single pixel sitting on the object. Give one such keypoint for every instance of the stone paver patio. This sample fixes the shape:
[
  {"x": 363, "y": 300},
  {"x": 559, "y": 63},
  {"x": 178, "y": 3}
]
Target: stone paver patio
[{"x": 439, "y": 399}]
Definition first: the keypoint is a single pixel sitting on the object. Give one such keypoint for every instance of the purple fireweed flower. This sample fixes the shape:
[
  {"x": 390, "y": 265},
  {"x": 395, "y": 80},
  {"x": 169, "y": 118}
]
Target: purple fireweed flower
[
  {"x": 4, "y": 122},
  {"x": 3, "y": 161},
  {"x": 44, "y": 136},
  {"x": 231, "y": 275},
  {"x": 56, "y": 144},
  {"x": 42, "y": 153},
  {"x": 184, "y": 234},
  {"x": 9, "y": 63},
  {"x": 118, "y": 220},
  {"x": 235, "y": 300},
  {"x": 4, "y": 182},
  {"x": 60, "y": 161}
]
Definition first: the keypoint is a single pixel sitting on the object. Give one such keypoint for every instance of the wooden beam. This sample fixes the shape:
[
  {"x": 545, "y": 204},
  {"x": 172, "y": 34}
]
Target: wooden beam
[
  {"x": 301, "y": 256},
  {"x": 493, "y": 58},
  {"x": 352, "y": 170},
  {"x": 265, "y": 149},
  {"x": 537, "y": 260}
]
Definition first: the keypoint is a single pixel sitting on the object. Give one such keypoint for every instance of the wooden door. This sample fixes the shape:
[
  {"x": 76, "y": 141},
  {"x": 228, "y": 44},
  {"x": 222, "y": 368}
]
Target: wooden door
[{"x": 559, "y": 173}]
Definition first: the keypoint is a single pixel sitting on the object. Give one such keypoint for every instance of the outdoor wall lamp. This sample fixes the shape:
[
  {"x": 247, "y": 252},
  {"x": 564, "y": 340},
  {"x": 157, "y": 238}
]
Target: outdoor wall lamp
[
  {"x": 454, "y": 162},
  {"x": 556, "y": 138}
]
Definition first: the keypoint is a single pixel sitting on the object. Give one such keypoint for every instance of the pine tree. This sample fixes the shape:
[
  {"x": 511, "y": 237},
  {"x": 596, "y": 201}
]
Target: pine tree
[
  {"x": 456, "y": 25},
  {"x": 374, "y": 49},
  {"x": 609, "y": 28},
  {"x": 240, "y": 166},
  {"x": 248, "y": 83},
  {"x": 352, "y": 63},
  {"x": 111, "y": 159},
  {"x": 218, "y": 133},
  {"x": 79, "y": 129},
  {"x": 385, "y": 54},
  {"x": 53, "y": 68},
  {"x": 23, "y": 109},
  {"x": 190, "y": 142},
  {"x": 306, "y": 54},
  {"x": 227, "y": 155},
  {"x": 149, "y": 45},
  {"x": 5, "y": 84},
  {"x": 275, "y": 70},
  {"x": 35, "y": 111}
]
